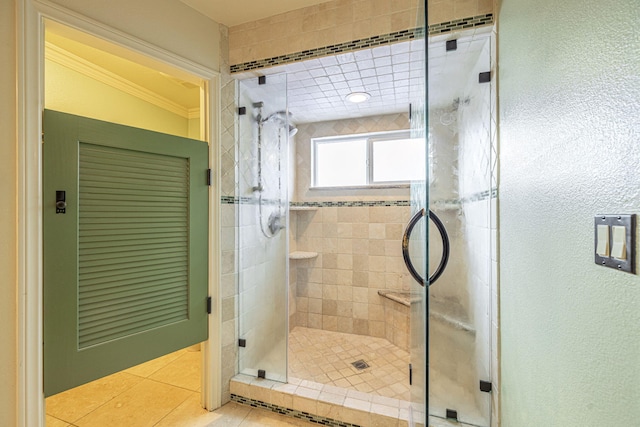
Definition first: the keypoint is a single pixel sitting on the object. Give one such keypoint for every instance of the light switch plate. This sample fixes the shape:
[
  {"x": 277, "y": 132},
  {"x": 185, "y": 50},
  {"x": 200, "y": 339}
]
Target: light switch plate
[{"x": 627, "y": 264}]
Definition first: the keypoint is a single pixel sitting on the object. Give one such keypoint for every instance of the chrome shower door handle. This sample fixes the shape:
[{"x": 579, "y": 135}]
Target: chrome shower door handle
[{"x": 445, "y": 247}]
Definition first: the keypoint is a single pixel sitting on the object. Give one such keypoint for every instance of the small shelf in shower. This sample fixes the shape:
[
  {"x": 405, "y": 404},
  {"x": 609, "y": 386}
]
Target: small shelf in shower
[
  {"x": 303, "y": 208},
  {"x": 302, "y": 255}
]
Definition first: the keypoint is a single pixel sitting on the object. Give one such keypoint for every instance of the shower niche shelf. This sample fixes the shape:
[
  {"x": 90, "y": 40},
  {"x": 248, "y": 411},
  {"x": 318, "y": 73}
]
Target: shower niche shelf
[
  {"x": 302, "y": 208},
  {"x": 302, "y": 255}
]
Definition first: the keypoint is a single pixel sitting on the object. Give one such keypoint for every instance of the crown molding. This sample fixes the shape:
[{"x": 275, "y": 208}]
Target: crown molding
[{"x": 69, "y": 60}]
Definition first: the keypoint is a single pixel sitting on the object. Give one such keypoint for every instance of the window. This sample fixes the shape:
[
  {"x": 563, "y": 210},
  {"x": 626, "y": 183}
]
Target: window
[{"x": 388, "y": 158}]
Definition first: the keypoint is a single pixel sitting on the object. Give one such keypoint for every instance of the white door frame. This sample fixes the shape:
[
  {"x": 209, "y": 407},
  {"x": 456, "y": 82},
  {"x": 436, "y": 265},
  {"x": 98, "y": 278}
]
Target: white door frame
[{"x": 31, "y": 15}]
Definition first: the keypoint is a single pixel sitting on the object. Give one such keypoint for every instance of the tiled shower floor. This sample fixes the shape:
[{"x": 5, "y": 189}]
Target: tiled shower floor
[{"x": 325, "y": 357}]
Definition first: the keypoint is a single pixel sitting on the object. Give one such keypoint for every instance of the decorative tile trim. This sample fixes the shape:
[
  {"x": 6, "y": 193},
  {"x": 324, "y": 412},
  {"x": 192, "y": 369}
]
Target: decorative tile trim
[
  {"x": 353, "y": 203},
  {"x": 461, "y": 24},
  {"x": 397, "y": 36},
  {"x": 316, "y": 419},
  {"x": 235, "y": 200},
  {"x": 457, "y": 203},
  {"x": 230, "y": 200},
  {"x": 328, "y": 50},
  {"x": 483, "y": 195}
]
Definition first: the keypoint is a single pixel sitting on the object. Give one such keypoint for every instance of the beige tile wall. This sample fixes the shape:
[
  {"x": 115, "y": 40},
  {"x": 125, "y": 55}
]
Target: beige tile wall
[
  {"x": 321, "y": 25},
  {"x": 396, "y": 319},
  {"x": 448, "y": 10},
  {"x": 229, "y": 273},
  {"x": 359, "y": 254},
  {"x": 338, "y": 21},
  {"x": 359, "y": 248}
]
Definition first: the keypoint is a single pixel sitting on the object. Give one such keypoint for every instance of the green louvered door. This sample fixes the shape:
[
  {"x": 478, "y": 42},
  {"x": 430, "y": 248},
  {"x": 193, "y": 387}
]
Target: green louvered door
[{"x": 125, "y": 264}]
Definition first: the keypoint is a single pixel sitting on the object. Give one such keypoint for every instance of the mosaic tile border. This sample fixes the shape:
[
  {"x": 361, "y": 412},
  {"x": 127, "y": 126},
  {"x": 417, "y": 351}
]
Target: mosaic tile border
[
  {"x": 397, "y": 36},
  {"x": 230, "y": 200},
  {"x": 483, "y": 195},
  {"x": 352, "y": 203},
  {"x": 461, "y": 24},
  {"x": 316, "y": 419}
]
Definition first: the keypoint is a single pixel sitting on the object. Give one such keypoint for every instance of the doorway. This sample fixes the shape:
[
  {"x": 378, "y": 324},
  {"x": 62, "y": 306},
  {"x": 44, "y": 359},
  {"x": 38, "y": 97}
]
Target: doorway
[{"x": 32, "y": 98}]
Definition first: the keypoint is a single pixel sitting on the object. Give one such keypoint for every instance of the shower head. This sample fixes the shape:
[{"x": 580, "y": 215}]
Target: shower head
[{"x": 281, "y": 118}]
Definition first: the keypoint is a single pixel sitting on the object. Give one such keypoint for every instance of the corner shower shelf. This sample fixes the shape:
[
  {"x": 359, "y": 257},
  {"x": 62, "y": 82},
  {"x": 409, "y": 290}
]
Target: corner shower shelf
[
  {"x": 303, "y": 208},
  {"x": 302, "y": 255}
]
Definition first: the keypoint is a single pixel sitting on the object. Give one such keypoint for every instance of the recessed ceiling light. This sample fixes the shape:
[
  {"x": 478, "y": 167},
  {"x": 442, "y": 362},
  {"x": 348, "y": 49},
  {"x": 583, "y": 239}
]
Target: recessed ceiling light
[{"x": 357, "y": 97}]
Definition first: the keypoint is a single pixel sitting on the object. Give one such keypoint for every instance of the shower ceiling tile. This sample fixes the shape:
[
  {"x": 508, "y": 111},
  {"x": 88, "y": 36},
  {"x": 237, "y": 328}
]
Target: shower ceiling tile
[{"x": 317, "y": 88}]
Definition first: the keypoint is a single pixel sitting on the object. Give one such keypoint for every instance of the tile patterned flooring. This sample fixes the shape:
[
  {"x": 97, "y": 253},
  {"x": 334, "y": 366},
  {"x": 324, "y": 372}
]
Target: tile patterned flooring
[
  {"x": 325, "y": 357},
  {"x": 163, "y": 392}
]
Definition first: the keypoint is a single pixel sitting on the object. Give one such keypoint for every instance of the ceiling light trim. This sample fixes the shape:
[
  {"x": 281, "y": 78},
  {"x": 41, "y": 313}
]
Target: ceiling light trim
[{"x": 358, "y": 97}]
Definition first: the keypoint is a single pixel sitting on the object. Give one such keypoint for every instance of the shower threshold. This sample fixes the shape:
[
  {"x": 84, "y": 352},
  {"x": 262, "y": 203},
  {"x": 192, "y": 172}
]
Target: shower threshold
[{"x": 320, "y": 403}]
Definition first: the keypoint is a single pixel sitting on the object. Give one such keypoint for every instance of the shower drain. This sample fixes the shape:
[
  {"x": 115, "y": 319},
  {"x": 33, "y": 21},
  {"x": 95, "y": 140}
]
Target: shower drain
[{"x": 360, "y": 364}]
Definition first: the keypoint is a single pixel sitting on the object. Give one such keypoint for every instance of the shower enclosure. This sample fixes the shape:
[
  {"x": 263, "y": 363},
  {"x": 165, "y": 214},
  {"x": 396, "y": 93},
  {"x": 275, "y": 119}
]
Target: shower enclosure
[
  {"x": 453, "y": 315},
  {"x": 448, "y": 357},
  {"x": 264, "y": 131}
]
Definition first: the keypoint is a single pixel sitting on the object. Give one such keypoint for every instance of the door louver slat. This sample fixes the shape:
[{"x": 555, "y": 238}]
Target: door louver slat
[
  {"x": 105, "y": 274},
  {"x": 133, "y": 242},
  {"x": 105, "y": 314},
  {"x": 131, "y": 291}
]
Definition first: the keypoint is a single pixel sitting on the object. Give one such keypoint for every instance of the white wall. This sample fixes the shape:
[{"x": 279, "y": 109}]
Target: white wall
[{"x": 569, "y": 91}]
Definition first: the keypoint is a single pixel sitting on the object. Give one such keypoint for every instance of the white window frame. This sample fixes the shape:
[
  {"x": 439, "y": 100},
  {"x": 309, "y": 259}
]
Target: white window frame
[{"x": 370, "y": 139}]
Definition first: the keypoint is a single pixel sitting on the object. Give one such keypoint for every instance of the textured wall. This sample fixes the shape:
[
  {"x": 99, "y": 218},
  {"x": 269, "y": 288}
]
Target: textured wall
[
  {"x": 569, "y": 88},
  {"x": 8, "y": 182}
]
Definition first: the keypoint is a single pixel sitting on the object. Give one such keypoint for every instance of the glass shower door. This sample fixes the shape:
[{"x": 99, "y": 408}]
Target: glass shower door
[
  {"x": 263, "y": 237},
  {"x": 450, "y": 318},
  {"x": 460, "y": 192},
  {"x": 414, "y": 244}
]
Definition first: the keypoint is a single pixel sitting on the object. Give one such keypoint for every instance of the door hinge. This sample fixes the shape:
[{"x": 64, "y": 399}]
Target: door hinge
[
  {"x": 410, "y": 374},
  {"x": 485, "y": 386},
  {"x": 209, "y": 177},
  {"x": 452, "y": 414},
  {"x": 208, "y": 305},
  {"x": 242, "y": 342},
  {"x": 484, "y": 77}
]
